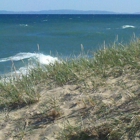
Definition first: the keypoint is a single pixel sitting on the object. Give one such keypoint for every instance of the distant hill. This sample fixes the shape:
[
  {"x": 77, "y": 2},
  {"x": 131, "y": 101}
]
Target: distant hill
[
  {"x": 58, "y": 12},
  {"x": 63, "y": 12},
  {"x": 74, "y": 12},
  {"x": 137, "y": 13}
]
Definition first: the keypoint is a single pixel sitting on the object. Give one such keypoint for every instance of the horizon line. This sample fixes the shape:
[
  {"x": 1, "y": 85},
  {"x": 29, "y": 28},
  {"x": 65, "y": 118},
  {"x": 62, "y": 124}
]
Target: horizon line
[{"x": 70, "y": 10}]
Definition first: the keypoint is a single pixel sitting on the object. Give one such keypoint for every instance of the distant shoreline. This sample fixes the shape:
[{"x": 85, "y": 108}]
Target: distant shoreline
[{"x": 65, "y": 12}]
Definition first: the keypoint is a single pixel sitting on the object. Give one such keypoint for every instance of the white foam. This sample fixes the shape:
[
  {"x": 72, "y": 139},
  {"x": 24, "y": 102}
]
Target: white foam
[
  {"x": 15, "y": 74},
  {"x": 41, "y": 58},
  {"x": 35, "y": 59},
  {"x": 128, "y": 26},
  {"x": 21, "y": 70},
  {"x": 46, "y": 59},
  {"x": 17, "y": 57}
]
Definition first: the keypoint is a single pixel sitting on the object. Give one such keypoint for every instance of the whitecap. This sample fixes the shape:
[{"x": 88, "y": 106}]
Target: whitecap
[
  {"x": 23, "y": 25},
  {"x": 128, "y": 26}
]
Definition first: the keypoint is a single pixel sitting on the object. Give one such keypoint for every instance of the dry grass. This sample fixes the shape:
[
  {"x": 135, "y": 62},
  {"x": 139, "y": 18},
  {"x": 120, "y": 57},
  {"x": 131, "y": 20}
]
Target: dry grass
[{"x": 88, "y": 98}]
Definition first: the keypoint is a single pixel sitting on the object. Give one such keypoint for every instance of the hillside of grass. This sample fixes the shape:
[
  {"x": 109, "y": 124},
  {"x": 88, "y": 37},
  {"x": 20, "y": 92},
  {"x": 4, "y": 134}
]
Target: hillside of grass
[{"x": 85, "y": 98}]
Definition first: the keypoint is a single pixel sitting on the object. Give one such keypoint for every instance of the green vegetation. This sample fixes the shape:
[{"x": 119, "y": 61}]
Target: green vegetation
[{"x": 114, "y": 70}]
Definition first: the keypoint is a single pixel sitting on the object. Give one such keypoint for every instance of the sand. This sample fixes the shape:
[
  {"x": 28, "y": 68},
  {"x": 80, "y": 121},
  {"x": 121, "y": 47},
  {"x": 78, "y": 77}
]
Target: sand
[{"x": 73, "y": 105}]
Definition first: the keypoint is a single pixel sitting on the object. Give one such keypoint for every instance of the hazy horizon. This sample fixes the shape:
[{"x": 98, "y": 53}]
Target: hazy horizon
[
  {"x": 64, "y": 11},
  {"x": 125, "y": 6}
]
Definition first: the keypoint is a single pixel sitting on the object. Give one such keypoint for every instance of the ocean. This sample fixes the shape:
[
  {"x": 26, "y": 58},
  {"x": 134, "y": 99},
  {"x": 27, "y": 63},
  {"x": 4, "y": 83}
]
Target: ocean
[{"x": 27, "y": 39}]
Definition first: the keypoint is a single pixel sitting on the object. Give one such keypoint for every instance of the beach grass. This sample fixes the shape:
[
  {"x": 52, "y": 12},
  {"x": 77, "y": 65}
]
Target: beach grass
[{"x": 113, "y": 70}]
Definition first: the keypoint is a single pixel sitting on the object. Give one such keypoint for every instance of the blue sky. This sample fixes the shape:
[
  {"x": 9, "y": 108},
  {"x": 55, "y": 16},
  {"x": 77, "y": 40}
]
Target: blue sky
[{"x": 129, "y": 6}]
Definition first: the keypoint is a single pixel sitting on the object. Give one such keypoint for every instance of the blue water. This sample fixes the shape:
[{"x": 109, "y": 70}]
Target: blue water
[{"x": 59, "y": 34}]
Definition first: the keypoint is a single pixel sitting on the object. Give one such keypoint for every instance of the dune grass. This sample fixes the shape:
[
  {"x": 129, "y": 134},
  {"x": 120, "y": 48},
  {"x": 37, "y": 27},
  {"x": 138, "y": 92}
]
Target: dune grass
[{"x": 112, "y": 61}]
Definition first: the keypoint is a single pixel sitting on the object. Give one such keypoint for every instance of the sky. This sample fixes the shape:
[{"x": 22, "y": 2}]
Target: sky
[{"x": 121, "y": 6}]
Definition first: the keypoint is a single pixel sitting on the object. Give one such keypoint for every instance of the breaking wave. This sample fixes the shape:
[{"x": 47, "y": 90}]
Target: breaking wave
[
  {"x": 41, "y": 58},
  {"x": 17, "y": 57},
  {"x": 32, "y": 59}
]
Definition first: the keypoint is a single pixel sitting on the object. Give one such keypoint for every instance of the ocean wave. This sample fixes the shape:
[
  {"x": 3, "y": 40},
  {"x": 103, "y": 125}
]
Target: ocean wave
[
  {"x": 23, "y": 25},
  {"x": 21, "y": 70},
  {"x": 128, "y": 26},
  {"x": 39, "y": 57},
  {"x": 17, "y": 57},
  {"x": 46, "y": 59},
  {"x": 108, "y": 28},
  {"x": 45, "y": 20},
  {"x": 42, "y": 59},
  {"x": 7, "y": 77},
  {"x": 34, "y": 60}
]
